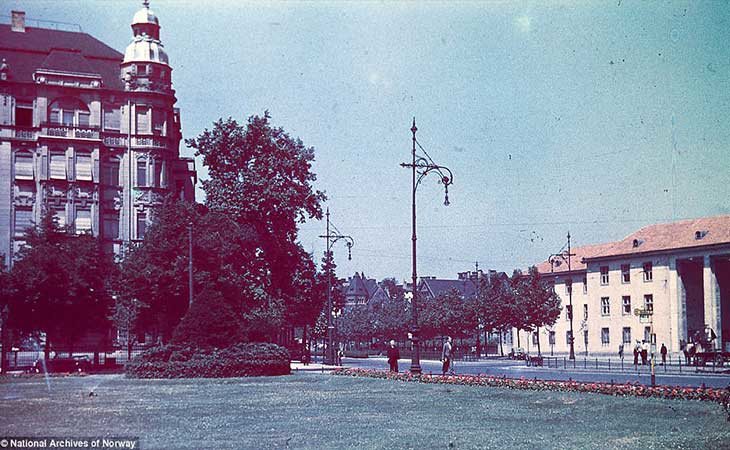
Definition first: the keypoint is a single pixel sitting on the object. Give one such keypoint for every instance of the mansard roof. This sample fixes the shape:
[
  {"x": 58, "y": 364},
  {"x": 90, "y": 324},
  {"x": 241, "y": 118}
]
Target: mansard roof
[{"x": 58, "y": 50}]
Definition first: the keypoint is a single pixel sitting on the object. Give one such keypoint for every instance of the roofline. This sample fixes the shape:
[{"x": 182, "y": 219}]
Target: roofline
[{"x": 655, "y": 252}]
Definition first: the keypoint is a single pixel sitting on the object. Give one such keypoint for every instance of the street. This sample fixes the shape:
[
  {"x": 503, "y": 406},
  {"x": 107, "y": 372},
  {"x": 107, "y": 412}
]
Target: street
[{"x": 517, "y": 369}]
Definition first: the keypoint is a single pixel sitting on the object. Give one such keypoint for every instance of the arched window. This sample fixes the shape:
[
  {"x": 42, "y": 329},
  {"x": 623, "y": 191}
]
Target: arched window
[
  {"x": 69, "y": 112},
  {"x": 142, "y": 171}
]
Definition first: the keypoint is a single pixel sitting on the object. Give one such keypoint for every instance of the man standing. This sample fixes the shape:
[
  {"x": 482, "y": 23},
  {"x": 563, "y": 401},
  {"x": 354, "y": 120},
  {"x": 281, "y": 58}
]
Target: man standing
[
  {"x": 644, "y": 353},
  {"x": 663, "y": 351},
  {"x": 393, "y": 356},
  {"x": 709, "y": 337},
  {"x": 446, "y": 356}
]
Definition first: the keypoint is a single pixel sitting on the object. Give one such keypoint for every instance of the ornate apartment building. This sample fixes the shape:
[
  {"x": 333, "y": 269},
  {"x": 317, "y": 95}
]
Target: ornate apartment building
[
  {"x": 87, "y": 133},
  {"x": 678, "y": 271}
]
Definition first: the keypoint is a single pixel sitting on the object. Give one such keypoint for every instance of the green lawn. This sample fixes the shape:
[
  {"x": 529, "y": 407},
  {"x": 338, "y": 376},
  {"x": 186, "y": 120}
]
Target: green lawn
[{"x": 323, "y": 411}]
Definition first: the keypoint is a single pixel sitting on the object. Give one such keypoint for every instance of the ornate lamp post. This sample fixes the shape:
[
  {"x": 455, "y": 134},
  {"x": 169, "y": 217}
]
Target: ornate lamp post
[
  {"x": 332, "y": 237},
  {"x": 565, "y": 256},
  {"x": 421, "y": 166}
]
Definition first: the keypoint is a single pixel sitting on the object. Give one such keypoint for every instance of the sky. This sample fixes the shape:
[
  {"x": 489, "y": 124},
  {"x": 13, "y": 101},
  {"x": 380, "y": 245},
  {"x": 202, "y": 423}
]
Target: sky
[{"x": 589, "y": 117}]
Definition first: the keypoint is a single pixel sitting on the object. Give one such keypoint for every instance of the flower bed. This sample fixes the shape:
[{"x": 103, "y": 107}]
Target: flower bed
[{"x": 721, "y": 396}]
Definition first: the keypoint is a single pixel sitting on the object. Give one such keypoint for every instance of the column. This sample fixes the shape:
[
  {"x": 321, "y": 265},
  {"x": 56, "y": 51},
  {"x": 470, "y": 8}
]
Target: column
[
  {"x": 6, "y": 197},
  {"x": 711, "y": 292}
]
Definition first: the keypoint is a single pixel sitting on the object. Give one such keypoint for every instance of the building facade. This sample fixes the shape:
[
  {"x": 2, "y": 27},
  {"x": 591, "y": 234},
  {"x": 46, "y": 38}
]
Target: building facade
[
  {"x": 679, "y": 272},
  {"x": 87, "y": 134}
]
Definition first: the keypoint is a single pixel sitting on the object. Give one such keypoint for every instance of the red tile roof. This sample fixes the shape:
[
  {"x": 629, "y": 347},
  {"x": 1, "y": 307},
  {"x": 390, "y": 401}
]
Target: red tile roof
[
  {"x": 576, "y": 262},
  {"x": 691, "y": 233},
  {"x": 58, "y": 50},
  {"x": 652, "y": 238}
]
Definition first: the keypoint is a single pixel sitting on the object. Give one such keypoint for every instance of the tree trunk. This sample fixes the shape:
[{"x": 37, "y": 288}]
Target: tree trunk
[
  {"x": 304, "y": 339},
  {"x": 538, "y": 342},
  {"x": 518, "y": 338},
  {"x": 501, "y": 347}
]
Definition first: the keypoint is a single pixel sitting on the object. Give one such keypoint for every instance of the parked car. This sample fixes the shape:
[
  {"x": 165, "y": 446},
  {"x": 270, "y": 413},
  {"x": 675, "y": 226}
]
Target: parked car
[
  {"x": 518, "y": 353},
  {"x": 63, "y": 364}
]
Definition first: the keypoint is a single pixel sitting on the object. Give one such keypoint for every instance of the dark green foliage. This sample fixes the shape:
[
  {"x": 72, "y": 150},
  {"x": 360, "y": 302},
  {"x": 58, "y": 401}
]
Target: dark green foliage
[
  {"x": 242, "y": 360},
  {"x": 59, "y": 285},
  {"x": 210, "y": 323}
]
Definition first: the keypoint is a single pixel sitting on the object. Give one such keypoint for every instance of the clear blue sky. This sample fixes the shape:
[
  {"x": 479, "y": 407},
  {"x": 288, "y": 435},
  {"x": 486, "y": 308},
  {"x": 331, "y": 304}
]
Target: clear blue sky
[{"x": 594, "y": 117}]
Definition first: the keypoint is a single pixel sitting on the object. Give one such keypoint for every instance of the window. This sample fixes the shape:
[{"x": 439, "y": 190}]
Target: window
[
  {"x": 23, "y": 166},
  {"x": 648, "y": 276},
  {"x": 143, "y": 119},
  {"x": 112, "y": 118},
  {"x": 585, "y": 312},
  {"x": 83, "y": 221},
  {"x": 141, "y": 224},
  {"x": 69, "y": 112},
  {"x": 23, "y": 114},
  {"x": 604, "y": 275},
  {"x": 158, "y": 121},
  {"x": 585, "y": 284},
  {"x": 110, "y": 172},
  {"x": 568, "y": 337},
  {"x": 626, "y": 305},
  {"x": 649, "y": 303},
  {"x": 605, "y": 306},
  {"x": 568, "y": 312},
  {"x": 626, "y": 335},
  {"x": 59, "y": 216},
  {"x": 157, "y": 171},
  {"x": 551, "y": 338},
  {"x": 58, "y": 165},
  {"x": 83, "y": 166},
  {"x": 111, "y": 227},
  {"x": 68, "y": 118},
  {"x": 141, "y": 172},
  {"x": 23, "y": 220},
  {"x": 625, "y": 273},
  {"x": 605, "y": 337},
  {"x": 535, "y": 338},
  {"x": 83, "y": 117}
]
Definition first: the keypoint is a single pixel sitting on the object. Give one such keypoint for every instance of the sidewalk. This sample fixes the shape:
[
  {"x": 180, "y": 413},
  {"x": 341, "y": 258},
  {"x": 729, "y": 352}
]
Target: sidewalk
[{"x": 298, "y": 366}]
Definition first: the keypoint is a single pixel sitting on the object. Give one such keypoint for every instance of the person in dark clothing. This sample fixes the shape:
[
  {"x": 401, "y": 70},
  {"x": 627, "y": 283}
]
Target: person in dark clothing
[
  {"x": 636, "y": 353},
  {"x": 663, "y": 351},
  {"x": 393, "y": 356}
]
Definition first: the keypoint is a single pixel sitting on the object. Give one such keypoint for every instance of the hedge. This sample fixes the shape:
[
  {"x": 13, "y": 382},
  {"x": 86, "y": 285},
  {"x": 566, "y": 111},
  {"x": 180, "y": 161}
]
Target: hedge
[{"x": 241, "y": 360}]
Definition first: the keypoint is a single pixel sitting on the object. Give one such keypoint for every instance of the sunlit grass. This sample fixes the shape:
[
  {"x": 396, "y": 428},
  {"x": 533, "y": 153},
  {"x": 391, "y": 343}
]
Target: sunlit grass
[{"x": 322, "y": 411}]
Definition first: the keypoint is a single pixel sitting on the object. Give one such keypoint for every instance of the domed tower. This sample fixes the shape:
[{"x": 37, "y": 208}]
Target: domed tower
[{"x": 145, "y": 66}]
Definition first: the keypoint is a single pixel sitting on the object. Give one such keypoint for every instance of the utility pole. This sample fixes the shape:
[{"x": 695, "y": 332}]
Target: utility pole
[
  {"x": 566, "y": 256},
  {"x": 190, "y": 264},
  {"x": 330, "y": 240}
]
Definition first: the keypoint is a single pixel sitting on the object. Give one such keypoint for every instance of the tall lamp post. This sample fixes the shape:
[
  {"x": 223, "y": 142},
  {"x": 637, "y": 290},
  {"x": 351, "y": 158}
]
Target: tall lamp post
[
  {"x": 332, "y": 237},
  {"x": 421, "y": 166},
  {"x": 566, "y": 256}
]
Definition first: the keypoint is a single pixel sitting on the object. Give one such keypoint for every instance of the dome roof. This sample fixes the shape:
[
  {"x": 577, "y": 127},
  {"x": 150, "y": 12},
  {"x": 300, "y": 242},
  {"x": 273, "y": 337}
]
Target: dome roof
[
  {"x": 145, "y": 15},
  {"x": 145, "y": 49}
]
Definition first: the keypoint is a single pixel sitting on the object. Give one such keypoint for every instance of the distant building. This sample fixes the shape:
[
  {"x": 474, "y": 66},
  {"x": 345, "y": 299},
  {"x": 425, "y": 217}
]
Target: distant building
[
  {"x": 360, "y": 290},
  {"x": 678, "y": 271},
  {"x": 90, "y": 134}
]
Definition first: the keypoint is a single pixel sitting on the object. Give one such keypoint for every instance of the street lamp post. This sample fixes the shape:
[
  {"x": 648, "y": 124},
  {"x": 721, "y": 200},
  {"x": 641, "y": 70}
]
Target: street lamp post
[
  {"x": 421, "y": 166},
  {"x": 566, "y": 256},
  {"x": 190, "y": 264},
  {"x": 332, "y": 237}
]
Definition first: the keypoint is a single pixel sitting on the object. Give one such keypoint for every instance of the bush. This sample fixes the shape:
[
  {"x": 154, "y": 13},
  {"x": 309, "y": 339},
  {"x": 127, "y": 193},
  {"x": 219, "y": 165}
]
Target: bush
[
  {"x": 209, "y": 323},
  {"x": 241, "y": 360}
]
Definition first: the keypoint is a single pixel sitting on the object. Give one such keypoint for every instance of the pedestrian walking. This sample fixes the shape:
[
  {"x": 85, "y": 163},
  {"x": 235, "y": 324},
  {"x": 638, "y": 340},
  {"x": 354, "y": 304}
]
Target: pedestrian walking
[
  {"x": 446, "y": 356},
  {"x": 663, "y": 351},
  {"x": 393, "y": 356},
  {"x": 644, "y": 353},
  {"x": 621, "y": 351}
]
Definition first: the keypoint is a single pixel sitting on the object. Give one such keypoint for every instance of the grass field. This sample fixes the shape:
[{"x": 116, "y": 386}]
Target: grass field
[{"x": 323, "y": 411}]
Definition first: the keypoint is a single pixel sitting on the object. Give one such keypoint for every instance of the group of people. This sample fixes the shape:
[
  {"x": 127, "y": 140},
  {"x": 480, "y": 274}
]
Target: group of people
[
  {"x": 446, "y": 357},
  {"x": 641, "y": 349}
]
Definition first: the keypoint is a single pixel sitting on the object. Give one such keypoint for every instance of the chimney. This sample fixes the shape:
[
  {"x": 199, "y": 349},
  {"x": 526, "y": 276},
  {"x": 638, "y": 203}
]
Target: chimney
[{"x": 18, "y": 21}]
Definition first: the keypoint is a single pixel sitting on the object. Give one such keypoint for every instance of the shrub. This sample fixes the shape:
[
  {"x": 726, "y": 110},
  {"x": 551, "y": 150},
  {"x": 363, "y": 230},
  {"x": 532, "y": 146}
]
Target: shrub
[
  {"x": 241, "y": 360},
  {"x": 209, "y": 323}
]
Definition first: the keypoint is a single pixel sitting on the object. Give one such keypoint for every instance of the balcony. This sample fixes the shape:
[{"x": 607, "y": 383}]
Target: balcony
[
  {"x": 69, "y": 131},
  {"x": 19, "y": 133},
  {"x": 146, "y": 141}
]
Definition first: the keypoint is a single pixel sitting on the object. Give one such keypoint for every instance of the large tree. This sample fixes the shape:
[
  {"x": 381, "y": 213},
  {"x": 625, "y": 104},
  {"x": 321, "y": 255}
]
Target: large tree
[
  {"x": 262, "y": 177},
  {"x": 60, "y": 285},
  {"x": 543, "y": 304}
]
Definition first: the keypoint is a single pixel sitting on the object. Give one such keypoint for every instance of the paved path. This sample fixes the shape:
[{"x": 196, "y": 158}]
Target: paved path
[{"x": 517, "y": 369}]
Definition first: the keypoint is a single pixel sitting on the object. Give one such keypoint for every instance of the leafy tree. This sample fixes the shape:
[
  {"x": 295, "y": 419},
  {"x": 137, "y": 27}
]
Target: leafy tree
[
  {"x": 262, "y": 177},
  {"x": 60, "y": 285},
  {"x": 355, "y": 324},
  {"x": 543, "y": 304},
  {"x": 211, "y": 322}
]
